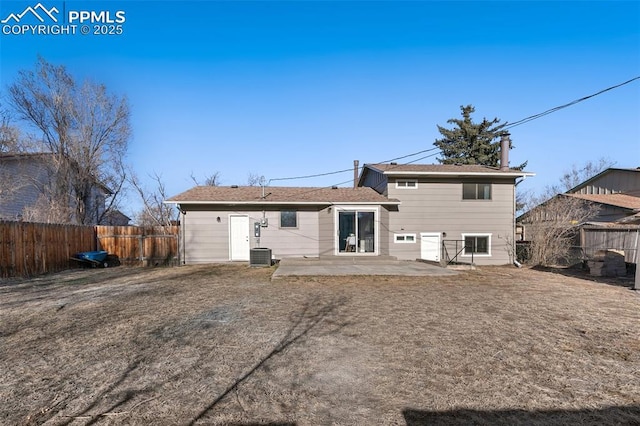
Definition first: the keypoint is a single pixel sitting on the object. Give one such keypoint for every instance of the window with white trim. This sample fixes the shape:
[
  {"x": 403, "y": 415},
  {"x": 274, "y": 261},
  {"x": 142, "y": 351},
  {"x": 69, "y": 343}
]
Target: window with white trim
[
  {"x": 406, "y": 183},
  {"x": 476, "y": 191},
  {"x": 478, "y": 244},
  {"x": 404, "y": 238}
]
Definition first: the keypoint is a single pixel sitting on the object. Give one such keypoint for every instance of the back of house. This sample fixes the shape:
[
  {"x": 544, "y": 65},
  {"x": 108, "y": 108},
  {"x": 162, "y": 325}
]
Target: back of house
[{"x": 459, "y": 213}]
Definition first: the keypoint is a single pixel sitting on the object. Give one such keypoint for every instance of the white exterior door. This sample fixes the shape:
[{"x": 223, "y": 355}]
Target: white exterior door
[
  {"x": 430, "y": 246},
  {"x": 239, "y": 238}
]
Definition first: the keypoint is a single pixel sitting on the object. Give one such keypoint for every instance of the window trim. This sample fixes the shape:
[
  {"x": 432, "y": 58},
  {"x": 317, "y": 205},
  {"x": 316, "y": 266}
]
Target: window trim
[
  {"x": 477, "y": 234},
  {"x": 357, "y": 209},
  {"x": 288, "y": 227},
  {"x": 476, "y": 191},
  {"x": 404, "y": 240},
  {"x": 406, "y": 186}
]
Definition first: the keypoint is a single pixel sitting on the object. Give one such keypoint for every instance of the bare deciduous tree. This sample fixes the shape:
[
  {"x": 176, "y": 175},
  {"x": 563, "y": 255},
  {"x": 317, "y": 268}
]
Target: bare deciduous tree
[
  {"x": 209, "y": 180},
  {"x": 86, "y": 129},
  {"x": 10, "y": 140},
  {"x": 527, "y": 200},
  {"x": 578, "y": 174},
  {"x": 254, "y": 179},
  {"x": 552, "y": 217},
  {"x": 154, "y": 211},
  {"x": 551, "y": 228},
  {"x": 13, "y": 174}
]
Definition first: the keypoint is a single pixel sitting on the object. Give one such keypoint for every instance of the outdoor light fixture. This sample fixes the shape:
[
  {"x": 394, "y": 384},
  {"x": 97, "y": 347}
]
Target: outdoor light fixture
[{"x": 218, "y": 219}]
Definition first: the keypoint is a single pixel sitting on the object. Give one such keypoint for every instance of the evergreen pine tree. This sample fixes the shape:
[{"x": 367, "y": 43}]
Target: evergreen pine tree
[{"x": 472, "y": 143}]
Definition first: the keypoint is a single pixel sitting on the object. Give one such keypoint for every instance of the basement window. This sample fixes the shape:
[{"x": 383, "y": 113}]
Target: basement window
[
  {"x": 478, "y": 244},
  {"x": 404, "y": 238}
]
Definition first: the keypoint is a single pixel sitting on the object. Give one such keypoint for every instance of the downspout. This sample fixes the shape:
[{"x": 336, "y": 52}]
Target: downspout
[
  {"x": 505, "y": 142},
  {"x": 636, "y": 285},
  {"x": 515, "y": 261},
  {"x": 183, "y": 249},
  {"x": 513, "y": 228}
]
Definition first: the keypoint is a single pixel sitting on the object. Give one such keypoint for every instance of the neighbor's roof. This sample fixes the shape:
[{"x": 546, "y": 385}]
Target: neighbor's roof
[
  {"x": 444, "y": 170},
  {"x": 617, "y": 200},
  {"x": 20, "y": 155},
  {"x": 279, "y": 195}
]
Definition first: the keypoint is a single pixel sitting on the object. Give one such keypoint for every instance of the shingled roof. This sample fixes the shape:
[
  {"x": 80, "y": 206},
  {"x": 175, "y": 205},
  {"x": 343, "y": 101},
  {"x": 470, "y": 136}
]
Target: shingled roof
[
  {"x": 618, "y": 200},
  {"x": 279, "y": 195}
]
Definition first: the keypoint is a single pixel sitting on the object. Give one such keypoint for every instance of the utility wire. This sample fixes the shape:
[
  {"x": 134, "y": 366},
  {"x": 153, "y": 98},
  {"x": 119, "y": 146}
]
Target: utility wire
[
  {"x": 351, "y": 169},
  {"x": 507, "y": 126},
  {"x": 558, "y": 108}
]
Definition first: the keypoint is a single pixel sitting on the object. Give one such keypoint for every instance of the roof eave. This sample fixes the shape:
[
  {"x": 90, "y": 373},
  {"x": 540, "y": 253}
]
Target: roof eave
[
  {"x": 460, "y": 174},
  {"x": 292, "y": 203}
]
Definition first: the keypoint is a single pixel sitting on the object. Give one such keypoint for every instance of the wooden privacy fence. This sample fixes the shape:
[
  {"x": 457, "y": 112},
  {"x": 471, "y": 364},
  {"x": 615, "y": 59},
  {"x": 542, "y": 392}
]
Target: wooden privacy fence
[
  {"x": 137, "y": 245},
  {"x": 606, "y": 237},
  {"x": 28, "y": 249}
]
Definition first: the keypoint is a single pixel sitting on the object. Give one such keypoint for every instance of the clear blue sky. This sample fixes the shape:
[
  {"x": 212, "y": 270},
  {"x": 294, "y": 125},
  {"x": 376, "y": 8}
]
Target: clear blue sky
[{"x": 295, "y": 88}]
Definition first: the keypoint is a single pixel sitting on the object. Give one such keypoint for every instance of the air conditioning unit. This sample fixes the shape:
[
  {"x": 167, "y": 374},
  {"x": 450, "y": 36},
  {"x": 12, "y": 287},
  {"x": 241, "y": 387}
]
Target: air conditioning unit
[{"x": 260, "y": 257}]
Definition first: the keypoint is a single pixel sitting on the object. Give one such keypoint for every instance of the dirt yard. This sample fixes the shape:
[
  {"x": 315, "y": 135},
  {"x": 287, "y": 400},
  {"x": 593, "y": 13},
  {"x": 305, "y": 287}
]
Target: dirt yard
[{"x": 225, "y": 345}]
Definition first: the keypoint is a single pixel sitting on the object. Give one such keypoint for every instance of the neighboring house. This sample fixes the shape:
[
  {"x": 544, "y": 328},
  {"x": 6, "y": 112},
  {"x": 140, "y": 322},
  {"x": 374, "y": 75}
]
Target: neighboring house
[
  {"x": 26, "y": 178},
  {"x": 404, "y": 211},
  {"x": 614, "y": 198},
  {"x": 614, "y": 194},
  {"x": 612, "y": 207},
  {"x": 115, "y": 218},
  {"x": 611, "y": 181}
]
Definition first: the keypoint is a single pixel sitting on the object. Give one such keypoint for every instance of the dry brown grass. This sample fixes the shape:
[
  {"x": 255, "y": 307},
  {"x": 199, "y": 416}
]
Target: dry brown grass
[{"x": 224, "y": 345}]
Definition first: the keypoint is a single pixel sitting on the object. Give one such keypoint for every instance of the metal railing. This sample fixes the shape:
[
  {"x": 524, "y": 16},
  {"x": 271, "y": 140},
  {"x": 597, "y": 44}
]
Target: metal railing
[{"x": 458, "y": 250}]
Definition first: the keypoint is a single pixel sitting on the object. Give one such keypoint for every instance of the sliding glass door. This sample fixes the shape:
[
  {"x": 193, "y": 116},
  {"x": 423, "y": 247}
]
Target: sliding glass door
[{"x": 356, "y": 231}]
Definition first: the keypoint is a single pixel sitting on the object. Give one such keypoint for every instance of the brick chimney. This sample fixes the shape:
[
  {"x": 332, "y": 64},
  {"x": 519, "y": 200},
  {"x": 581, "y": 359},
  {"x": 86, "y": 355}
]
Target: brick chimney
[
  {"x": 356, "y": 164},
  {"x": 504, "y": 152}
]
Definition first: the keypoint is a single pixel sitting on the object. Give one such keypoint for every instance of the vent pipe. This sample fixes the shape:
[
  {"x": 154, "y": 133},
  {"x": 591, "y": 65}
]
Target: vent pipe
[
  {"x": 504, "y": 152},
  {"x": 356, "y": 165}
]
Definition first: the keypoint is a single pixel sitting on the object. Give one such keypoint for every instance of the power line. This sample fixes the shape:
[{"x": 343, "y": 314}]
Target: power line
[
  {"x": 351, "y": 169},
  {"x": 558, "y": 108},
  {"x": 507, "y": 126}
]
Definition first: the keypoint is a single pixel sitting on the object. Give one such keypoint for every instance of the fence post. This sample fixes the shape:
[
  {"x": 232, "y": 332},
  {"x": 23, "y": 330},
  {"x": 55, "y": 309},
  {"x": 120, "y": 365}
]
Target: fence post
[
  {"x": 636, "y": 286},
  {"x": 141, "y": 247}
]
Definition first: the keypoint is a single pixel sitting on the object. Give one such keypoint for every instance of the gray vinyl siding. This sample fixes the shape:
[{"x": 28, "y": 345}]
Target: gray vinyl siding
[
  {"x": 204, "y": 239},
  {"x": 383, "y": 249},
  {"x": 22, "y": 180},
  {"x": 207, "y": 240},
  {"x": 291, "y": 242},
  {"x": 26, "y": 179},
  {"x": 625, "y": 181},
  {"x": 327, "y": 232},
  {"x": 437, "y": 206}
]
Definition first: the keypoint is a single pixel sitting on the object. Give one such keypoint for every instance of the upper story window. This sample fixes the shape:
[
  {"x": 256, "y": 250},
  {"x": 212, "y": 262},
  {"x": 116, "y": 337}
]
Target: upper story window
[
  {"x": 406, "y": 183},
  {"x": 476, "y": 191},
  {"x": 288, "y": 219}
]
